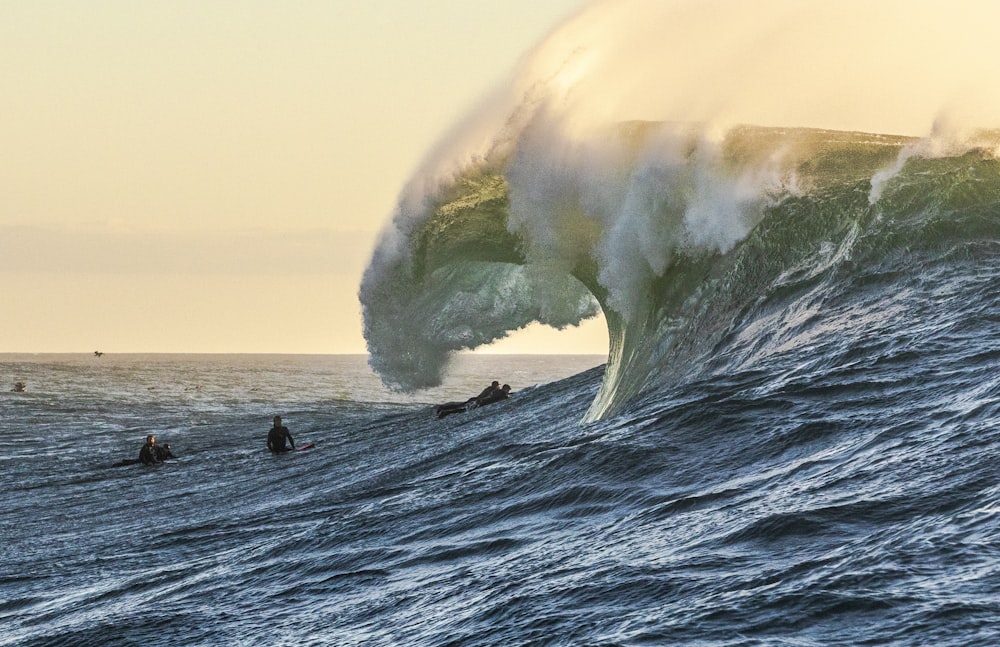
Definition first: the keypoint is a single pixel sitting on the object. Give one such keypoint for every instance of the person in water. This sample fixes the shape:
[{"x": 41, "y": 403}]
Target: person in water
[
  {"x": 278, "y": 435},
  {"x": 492, "y": 393},
  {"x": 454, "y": 407},
  {"x": 150, "y": 453},
  {"x": 487, "y": 392},
  {"x": 502, "y": 393},
  {"x": 163, "y": 452}
]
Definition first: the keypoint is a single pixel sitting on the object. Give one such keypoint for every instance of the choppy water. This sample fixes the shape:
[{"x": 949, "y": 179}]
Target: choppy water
[
  {"x": 839, "y": 501},
  {"x": 796, "y": 437}
]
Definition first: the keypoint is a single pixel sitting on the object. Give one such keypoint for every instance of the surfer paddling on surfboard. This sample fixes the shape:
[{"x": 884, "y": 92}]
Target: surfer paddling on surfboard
[{"x": 491, "y": 394}]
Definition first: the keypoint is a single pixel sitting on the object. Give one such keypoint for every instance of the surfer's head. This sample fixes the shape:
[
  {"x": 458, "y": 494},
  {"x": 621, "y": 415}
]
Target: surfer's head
[
  {"x": 150, "y": 439},
  {"x": 277, "y": 421}
]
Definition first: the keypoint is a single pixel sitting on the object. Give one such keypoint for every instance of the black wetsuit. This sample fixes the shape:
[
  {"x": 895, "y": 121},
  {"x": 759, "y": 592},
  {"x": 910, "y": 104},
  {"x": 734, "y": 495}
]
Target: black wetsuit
[
  {"x": 496, "y": 396},
  {"x": 486, "y": 393},
  {"x": 162, "y": 452},
  {"x": 449, "y": 408},
  {"x": 276, "y": 439},
  {"x": 149, "y": 455},
  {"x": 488, "y": 396}
]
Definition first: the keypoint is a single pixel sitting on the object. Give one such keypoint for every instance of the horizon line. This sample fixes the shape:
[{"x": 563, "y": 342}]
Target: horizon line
[{"x": 114, "y": 353}]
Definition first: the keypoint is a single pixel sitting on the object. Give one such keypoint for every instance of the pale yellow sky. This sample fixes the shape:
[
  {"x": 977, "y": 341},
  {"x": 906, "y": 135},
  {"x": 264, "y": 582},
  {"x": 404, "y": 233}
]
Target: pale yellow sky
[
  {"x": 190, "y": 176},
  {"x": 185, "y": 176}
]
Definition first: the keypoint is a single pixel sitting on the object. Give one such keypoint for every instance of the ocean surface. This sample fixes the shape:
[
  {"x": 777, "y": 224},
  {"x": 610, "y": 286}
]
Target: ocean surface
[
  {"x": 227, "y": 544},
  {"x": 795, "y": 439},
  {"x": 827, "y": 496}
]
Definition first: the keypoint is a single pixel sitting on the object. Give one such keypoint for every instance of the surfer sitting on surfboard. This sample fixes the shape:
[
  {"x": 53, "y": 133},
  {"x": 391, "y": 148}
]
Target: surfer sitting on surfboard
[
  {"x": 277, "y": 436},
  {"x": 151, "y": 453},
  {"x": 163, "y": 451}
]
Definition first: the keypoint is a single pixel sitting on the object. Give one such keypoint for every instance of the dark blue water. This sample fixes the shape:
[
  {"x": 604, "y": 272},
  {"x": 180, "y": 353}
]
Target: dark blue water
[{"x": 840, "y": 490}]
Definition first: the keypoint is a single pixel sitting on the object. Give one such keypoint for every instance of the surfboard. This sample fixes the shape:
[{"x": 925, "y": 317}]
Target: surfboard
[{"x": 305, "y": 447}]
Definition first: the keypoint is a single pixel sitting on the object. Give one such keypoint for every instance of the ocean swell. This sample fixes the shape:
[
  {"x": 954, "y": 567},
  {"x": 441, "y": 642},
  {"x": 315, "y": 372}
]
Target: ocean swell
[{"x": 686, "y": 234}]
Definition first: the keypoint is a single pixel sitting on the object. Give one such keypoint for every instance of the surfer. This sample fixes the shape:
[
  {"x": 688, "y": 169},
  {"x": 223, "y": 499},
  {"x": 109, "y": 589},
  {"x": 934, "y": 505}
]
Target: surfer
[
  {"x": 454, "y": 407},
  {"x": 149, "y": 454},
  {"x": 493, "y": 393},
  {"x": 152, "y": 453},
  {"x": 488, "y": 391},
  {"x": 163, "y": 452},
  {"x": 277, "y": 436},
  {"x": 502, "y": 393},
  {"x": 19, "y": 387}
]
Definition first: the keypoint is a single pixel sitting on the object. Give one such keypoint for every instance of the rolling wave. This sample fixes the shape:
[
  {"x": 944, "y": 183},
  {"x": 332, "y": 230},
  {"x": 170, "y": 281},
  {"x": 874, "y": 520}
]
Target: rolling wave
[
  {"x": 683, "y": 242},
  {"x": 615, "y": 173}
]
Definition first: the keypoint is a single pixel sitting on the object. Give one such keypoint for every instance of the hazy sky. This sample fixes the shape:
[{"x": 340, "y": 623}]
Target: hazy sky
[
  {"x": 210, "y": 176},
  {"x": 185, "y": 176}
]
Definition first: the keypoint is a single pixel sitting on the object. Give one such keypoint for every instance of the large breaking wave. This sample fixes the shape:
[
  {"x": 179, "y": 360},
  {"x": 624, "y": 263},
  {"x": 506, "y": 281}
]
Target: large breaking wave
[{"x": 681, "y": 231}]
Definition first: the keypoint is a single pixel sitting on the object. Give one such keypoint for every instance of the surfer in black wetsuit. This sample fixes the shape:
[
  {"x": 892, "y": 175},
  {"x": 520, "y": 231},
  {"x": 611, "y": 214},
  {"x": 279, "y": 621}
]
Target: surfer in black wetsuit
[
  {"x": 163, "y": 452},
  {"x": 449, "y": 408},
  {"x": 488, "y": 391},
  {"x": 502, "y": 393},
  {"x": 277, "y": 436},
  {"x": 492, "y": 393},
  {"x": 149, "y": 454},
  {"x": 152, "y": 453}
]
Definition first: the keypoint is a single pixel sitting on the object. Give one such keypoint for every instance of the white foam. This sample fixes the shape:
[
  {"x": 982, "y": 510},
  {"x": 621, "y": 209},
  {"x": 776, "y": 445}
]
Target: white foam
[{"x": 579, "y": 190}]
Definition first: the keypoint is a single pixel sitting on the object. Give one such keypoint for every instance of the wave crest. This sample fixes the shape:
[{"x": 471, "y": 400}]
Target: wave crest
[{"x": 675, "y": 230}]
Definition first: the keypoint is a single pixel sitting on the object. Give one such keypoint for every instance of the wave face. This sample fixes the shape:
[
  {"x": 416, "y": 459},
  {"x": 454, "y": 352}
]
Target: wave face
[
  {"x": 613, "y": 172},
  {"x": 703, "y": 254}
]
